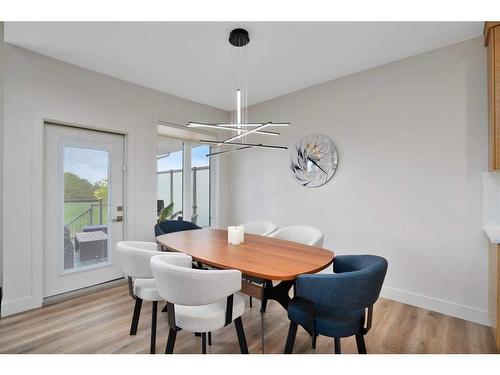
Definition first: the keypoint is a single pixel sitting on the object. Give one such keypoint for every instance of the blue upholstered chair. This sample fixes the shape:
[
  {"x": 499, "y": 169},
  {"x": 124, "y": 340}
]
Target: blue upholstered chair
[
  {"x": 334, "y": 305},
  {"x": 171, "y": 226}
]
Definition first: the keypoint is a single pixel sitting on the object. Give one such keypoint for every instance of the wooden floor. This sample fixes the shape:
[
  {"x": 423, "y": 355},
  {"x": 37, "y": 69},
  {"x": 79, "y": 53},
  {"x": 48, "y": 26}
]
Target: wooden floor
[{"x": 100, "y": 322}]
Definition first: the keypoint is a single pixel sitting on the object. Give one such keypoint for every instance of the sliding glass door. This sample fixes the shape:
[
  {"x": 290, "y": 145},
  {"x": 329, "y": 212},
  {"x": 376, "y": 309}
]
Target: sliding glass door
[{"x": 183, "y": 195}]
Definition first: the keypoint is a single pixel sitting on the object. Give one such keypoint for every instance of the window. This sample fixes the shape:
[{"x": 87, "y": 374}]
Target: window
[
  {"x": 200, "y": 183},
  {"x": 184, "y": 195},
  {"x": 170, "y": 177},
  {"x": 86, "y": 198}
]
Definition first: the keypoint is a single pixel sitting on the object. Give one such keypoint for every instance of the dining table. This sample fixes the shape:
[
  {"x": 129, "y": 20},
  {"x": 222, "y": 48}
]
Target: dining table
[{"x": 269, "y": 265}]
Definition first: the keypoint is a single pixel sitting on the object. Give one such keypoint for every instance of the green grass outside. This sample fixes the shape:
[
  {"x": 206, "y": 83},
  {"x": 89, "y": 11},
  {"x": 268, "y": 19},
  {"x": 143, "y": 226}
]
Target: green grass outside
[{"x": 73, "y": 209}]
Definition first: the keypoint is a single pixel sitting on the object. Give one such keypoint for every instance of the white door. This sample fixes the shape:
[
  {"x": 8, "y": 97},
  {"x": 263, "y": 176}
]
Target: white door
[{"x": 84, "y": 179}]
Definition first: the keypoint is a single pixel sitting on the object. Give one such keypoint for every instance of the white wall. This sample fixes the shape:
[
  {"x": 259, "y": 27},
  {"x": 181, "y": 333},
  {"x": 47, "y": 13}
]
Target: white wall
[
  {"x": 412, "y": 141},
  {"x": 38, "y": 87},
  {"x": 1, "y": 143}
]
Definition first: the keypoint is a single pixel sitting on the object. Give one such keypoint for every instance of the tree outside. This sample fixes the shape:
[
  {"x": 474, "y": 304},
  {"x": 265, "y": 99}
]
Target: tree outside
[
  {"x": 101, "y": 191},
  {"x": 76, "y": 189}
]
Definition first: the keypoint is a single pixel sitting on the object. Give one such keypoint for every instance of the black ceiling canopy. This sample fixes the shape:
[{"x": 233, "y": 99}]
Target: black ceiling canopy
[{"x": 239, "y": 37}]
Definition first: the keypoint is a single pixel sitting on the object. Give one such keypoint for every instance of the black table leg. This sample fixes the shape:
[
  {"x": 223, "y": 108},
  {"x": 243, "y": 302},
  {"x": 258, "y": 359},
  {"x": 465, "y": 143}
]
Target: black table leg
[{"x": 278, "y": 293}]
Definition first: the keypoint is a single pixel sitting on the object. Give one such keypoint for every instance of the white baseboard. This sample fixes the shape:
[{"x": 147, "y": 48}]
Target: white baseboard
[
  {"x": 29, "y": 303},
  {"x": 16, "y": 306},
  {"x": 444, "y": 307}
]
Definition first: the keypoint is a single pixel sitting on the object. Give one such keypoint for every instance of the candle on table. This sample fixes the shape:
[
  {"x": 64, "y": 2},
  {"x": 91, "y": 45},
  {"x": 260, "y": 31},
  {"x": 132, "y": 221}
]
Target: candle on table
[
  {"x": 241, "y": 233},
  {"x": 230, "y": 234},
  {"x": 233, "y": 235}
]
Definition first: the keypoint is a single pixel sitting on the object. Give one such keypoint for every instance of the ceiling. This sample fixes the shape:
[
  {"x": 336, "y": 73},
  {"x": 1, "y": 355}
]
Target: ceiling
[
  {"x": 167, "y": 145},
  {"x": 193, "y": 60}
]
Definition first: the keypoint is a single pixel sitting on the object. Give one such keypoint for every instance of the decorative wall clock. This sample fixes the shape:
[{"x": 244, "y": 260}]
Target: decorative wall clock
[{"x": 313, "y": 160}]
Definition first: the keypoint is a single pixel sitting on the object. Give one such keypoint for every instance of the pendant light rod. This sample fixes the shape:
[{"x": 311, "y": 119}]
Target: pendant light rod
[
  {"x": 226, "y": 127},
  {"x": 259, "y": 145},
  {"x": 252, "y": 124},
  {"x": 238, "y": 106},
  {"x": 228, "y": 151},
  {"x": 232, "y": 125},
  {"x": 238, "y": 136}
]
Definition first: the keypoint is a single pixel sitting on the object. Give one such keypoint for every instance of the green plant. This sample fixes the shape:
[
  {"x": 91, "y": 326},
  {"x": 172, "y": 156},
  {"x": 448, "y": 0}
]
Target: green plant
[
  {"x": 166, "y": 213},
  {"x": 101, "y": 191}
]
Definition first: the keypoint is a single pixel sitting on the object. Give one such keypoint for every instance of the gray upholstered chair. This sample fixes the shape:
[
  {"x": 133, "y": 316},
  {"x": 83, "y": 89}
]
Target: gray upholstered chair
[
  {"x": 134, "y": 257},
  {"x": 198, "y": 300},
  {"x": 261, "y": 228},
  {"x": 335, "y": 305},
  {"x": 300, "y": 233}
]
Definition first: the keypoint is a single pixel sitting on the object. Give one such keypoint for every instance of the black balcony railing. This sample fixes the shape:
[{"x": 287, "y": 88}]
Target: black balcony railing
[{"x": 92, "y": 215}]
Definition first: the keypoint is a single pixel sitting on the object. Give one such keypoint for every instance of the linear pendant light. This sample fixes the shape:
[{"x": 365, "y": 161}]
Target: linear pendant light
[
  {"x": 239, "y": 38},
  {"x": 227, "y": 127},
  {"x": 258, "y": 145}
]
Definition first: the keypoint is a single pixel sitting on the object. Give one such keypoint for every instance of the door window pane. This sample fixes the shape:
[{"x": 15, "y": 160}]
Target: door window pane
[
  {"x": 200, "y": 182},
  {"x": 86, "y": 201},
  {"x": 169, "y": 177}
]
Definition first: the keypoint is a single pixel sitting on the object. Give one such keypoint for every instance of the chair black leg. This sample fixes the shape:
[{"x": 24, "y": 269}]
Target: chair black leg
[
  {"x": 209, "y": 338},
  {"x": 203, "y": 343},
  {"x": 360, "y": 341},
  {"x": 135, "y": 317},
  {"x": 251, "y": 303},
  {"x": 154, "y": 312},
  {"x": 314, "y": 337},
  {"x": 336, "y": 341},
  {"x": 241, "y": 335},
  {"x": 290, "y": 340},
  {"x": 169, "y": 349}
]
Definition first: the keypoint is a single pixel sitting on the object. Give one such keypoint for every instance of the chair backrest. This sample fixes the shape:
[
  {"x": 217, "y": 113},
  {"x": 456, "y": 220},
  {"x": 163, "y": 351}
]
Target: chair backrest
[
  {"x": 261, "y": 228},
  {"x": 171, "y": 226},
  {"x": 178, "y": 283},
  {"x": 300, "y": 233},
  {"x": 356, "y": 283},
  {"x": 134, "y": 257}
]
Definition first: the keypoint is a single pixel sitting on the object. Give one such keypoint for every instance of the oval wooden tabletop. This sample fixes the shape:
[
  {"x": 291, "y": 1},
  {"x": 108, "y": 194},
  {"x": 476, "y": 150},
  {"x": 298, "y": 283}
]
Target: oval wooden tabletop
[{"x": 263, "y": 257}]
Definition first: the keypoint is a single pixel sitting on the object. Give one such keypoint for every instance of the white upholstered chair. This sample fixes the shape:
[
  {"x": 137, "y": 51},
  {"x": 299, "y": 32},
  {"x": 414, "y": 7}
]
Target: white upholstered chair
[
  {"x": 300, "y": 233},
  {"x": 261, "y": 228},
  {"x": 134, "y": 257},
  {"x": 198, "y": 300}
]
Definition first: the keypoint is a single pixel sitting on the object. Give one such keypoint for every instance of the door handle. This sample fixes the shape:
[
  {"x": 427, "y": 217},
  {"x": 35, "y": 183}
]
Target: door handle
[{"x": 118, "y": 219}]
